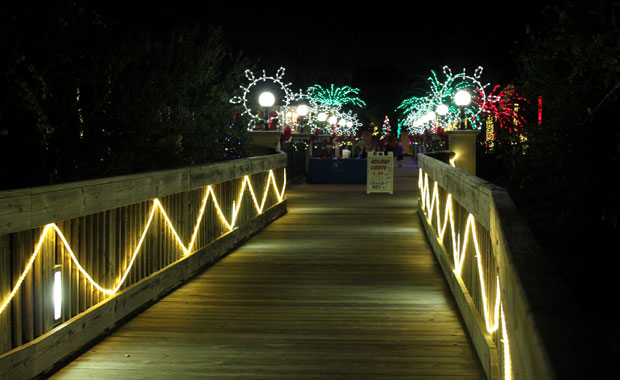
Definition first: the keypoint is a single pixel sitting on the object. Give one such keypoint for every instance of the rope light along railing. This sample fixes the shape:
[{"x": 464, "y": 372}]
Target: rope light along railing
[
  {"x": 453, "y": 160},
  {"x": 431, "y": 207},
  {"x": 157, "y": 206}
]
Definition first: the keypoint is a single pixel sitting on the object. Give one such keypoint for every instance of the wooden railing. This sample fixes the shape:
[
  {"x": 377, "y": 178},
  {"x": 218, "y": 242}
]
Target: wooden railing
[
  {"x": 510, "y": 303},
  {"x": 77, "y": 258}
]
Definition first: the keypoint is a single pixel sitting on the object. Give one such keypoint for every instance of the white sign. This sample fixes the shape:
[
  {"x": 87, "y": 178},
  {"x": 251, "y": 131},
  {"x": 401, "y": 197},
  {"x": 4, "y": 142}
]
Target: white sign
[{"x": 380, "y": 173}]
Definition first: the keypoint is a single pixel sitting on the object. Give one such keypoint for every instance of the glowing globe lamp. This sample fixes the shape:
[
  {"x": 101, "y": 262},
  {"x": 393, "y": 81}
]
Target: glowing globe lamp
[
  {"x": 442, "y": 110},
  {"x": 302, "y": 110},
  {"x": 266, "y": 99},
  {"x": 462, "y": 98}
]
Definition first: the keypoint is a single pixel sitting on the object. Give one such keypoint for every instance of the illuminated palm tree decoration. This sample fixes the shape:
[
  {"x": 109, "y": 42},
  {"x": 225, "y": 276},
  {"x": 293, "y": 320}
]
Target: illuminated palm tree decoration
[
  {"x": 329, "y": 101},
  {"x": 335, "y": 96},
  {"x": 437, "y": 106}
]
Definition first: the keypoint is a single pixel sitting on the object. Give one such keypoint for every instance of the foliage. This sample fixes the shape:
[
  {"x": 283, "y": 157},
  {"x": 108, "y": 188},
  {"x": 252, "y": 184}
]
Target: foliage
[
  {"x": 563, "y": 175},
  {"x": 84, "y": 98},
  {"x": 573, "y": 65}
]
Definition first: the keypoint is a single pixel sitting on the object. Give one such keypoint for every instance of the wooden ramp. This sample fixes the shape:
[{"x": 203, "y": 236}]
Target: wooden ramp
[{"x": 344, "y": 286}]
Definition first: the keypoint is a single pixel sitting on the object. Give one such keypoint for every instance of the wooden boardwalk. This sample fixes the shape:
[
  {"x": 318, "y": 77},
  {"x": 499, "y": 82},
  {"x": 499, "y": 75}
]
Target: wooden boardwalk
[{"x": 344, "y": 286}]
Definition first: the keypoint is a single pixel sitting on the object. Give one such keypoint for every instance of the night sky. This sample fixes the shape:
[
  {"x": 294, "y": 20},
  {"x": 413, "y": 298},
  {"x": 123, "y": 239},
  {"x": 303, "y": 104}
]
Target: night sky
[{"x": 385, "y": 51}]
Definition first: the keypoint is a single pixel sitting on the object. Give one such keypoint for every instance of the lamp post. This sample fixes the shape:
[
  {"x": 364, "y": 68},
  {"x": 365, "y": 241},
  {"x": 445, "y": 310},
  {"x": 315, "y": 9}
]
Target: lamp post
[
  {"x": 333, "y": 120},
  {"x": 266, "y": 100},
  {"x": 302, "y": 110},
  {"x": 442, "y": 110},
  {"x": 462, "y": 99}
]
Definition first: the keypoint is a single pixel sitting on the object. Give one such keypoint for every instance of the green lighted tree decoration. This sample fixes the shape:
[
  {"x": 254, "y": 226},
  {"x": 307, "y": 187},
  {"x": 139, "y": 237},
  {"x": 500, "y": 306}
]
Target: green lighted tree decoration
[
  {"x": 437, "y": 106},
  {"x": 330, "y": 101},
  {"x": 335, "y": 96}
]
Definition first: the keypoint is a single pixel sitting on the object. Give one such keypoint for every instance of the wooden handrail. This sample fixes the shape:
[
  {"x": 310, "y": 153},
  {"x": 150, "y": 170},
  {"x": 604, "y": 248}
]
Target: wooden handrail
[
  {"x": 533, "y": 299},
  {"x": 24, "y": 209}
]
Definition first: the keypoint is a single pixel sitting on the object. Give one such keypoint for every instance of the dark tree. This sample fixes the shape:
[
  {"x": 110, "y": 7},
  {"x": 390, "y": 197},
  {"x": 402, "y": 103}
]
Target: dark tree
[
  {"x": 565, "y": 176},
  {"x": 85, "y": 95}
]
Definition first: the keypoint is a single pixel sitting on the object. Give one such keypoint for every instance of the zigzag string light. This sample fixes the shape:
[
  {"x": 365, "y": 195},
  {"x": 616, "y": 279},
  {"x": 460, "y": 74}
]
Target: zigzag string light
[
  {"x": 187, "y": 249},
  {"x": 432, "y": 203},
  {"x": 429, "y": 204}
]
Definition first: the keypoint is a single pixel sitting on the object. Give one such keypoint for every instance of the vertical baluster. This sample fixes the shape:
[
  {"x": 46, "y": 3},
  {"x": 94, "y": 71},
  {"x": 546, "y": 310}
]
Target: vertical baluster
[
  {"x": 32, "y": 317},
  {"x": 45, "y": 288},
  {"x": 88, "y": 259},
  {"x": 112, "y": 249},
  {"x": 64, "y": 261},
  {"x": 18, "y": 265},
  {"x": 5, "y": 290},
  {"x": 82, "y": 260},
  {"x": 124, "y": 247},
  {"x": 152, "y": 259},
  {"x": 132, "y": 232},
  {"x": 74, "y": 272},
  {"x": 166, "y": 254},
  {"x": 145, "y": 252},
  {"x": 102, "y": 252},
  {"x": 96, "y": 256}
]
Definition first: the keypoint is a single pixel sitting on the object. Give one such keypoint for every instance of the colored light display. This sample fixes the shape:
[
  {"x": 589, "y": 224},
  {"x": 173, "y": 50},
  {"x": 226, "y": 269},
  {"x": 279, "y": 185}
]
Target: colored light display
[
  {"x": 289, "y": 95},
  {"x": 502, "y": 106},
  {"x": 437, "y": 107},
  {"x": 335, "y": 96},
  {"x": 328, "y": 102}
]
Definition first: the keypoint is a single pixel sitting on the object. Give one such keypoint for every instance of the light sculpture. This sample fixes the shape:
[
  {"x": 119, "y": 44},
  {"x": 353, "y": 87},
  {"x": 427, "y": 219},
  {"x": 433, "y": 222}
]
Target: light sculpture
[
  {"x": 335, "y": 96},
  {"x": 440, "y": 99},
  {"x": 243, "y": 99}
]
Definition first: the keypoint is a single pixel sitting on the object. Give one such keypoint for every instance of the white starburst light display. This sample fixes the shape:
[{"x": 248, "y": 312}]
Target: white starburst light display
[{"x": 289, "y": 95}]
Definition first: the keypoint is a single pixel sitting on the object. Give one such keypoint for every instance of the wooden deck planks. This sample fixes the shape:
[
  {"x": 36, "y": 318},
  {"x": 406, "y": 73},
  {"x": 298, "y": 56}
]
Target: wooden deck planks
[{"x": 342, "y": 287}]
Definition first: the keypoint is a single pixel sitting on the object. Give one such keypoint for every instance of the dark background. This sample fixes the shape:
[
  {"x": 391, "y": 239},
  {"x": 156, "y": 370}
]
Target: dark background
[{"x": 386, "y": 51}]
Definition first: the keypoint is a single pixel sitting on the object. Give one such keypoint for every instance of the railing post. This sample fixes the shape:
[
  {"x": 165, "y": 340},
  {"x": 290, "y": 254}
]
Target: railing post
[
  {"x": 265, "y": 142},
  {"x": 463, "y": 144}
]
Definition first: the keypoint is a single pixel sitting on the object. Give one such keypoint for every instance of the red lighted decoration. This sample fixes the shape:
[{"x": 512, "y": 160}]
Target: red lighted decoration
[
  {"x": 540, "y": 110},
  {"x": 503, "y": 106}
]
